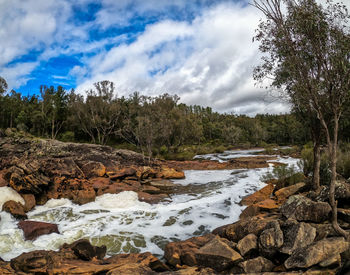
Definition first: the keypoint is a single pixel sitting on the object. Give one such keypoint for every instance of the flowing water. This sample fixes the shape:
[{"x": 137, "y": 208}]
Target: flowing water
[{"x": 203, "y": 201}]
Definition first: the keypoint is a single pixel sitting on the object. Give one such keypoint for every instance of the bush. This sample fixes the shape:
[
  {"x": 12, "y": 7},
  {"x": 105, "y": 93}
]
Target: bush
[
  {"x": 285, "y": 176},
  {"x": 67, "y": 136},
  {"x": 343, "y": 164}
]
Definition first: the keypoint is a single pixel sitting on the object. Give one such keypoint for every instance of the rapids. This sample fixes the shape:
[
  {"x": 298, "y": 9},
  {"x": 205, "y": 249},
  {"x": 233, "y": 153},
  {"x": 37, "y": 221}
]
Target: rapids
[{"x": 203, "y": 201}]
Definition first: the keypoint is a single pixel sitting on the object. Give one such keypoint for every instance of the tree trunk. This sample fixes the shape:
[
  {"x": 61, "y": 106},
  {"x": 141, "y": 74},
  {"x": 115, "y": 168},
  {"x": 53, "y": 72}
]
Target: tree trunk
[
  {"x": 333, "y": 155},
  {"x": 316, "y": 167}
]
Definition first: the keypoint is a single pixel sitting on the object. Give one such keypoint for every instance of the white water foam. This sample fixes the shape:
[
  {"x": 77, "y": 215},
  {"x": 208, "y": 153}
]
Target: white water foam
[
  {"x": 8, "y": 194},
  {"x": 205, "y": 200}
]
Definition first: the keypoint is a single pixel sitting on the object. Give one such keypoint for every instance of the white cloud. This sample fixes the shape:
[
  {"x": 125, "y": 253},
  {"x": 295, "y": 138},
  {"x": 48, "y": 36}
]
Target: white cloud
[{"x": 208, "y": 61}]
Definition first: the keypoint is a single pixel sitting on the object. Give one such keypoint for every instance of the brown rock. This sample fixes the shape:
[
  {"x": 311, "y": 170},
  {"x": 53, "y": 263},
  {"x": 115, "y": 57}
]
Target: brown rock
[
  {"x": 115, "y": 188},
  {"x": 34, "y": 229},
  {"x": 303, "y": 209},
  {"x": 283, "y": 193},
  {"x": 99, "y": 183},
  {"x": 267, "y": 204},
  {"x": 335, "y": 260},
  {"x": 93, "y": 169},
  {"x": 192, "y": 271},
  {"x": 122, "y": 173},
  {"x": 170, "y": 173},
  {"x": 257, "y": 265},
  {"x": 5, "y": 268},
  {"x": 86, "y": 251},
  {"x": 151, "y": 199},
  {"x": 238, "y": 230},
  {"x": 344, "y": 214},
  {"x": 183, "y": 253},
  {"x": 317, "y": 252},
  {"x": 250, "y": 211},
  {"x": 162, "y": 184},
  {"x": 217, "y": 254},
  {"x": 29, "y": 201},
  {"x": 16, "y": 209},
  {"x": 260, "y": 195},
  {"x": 296, "y": 236},
  {"x": 3, "y": 182},
  {"x": 84, "y": 196},
  {"x": 31, "y": 262},
  {"x": 151, "y": 189},
  {"x": 248, "y": 244}
]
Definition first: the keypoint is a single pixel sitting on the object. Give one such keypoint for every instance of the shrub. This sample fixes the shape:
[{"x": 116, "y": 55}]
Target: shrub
[{"x": 67, "y": 136}]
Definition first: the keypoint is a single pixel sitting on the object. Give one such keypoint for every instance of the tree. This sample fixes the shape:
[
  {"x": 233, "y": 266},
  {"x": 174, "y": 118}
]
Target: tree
[
  {"x": 307, "y": 56},
  {"x": 3, "y": 85}
]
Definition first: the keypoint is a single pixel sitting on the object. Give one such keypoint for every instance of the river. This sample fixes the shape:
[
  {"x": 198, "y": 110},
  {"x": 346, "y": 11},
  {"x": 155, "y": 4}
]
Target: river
[{"x": 204, "y": 200}]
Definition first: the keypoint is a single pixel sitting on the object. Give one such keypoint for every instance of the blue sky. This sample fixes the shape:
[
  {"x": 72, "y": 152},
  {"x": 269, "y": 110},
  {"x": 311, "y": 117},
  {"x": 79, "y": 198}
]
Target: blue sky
[{"x": 201, "y": 50}]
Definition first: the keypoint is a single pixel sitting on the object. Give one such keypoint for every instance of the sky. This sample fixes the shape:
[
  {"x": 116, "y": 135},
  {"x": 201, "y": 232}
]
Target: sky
[{"x": 201, "y": 50}]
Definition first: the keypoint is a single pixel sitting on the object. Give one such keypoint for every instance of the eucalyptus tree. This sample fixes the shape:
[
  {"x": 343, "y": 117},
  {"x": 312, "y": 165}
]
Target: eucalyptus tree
[{"x": 307, "y": 56}]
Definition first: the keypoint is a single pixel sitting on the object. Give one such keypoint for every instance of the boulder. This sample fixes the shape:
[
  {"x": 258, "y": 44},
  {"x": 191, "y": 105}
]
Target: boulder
[
  {"x": 272, "y": 237},
  {"x": 250, "y": 211},
  {"x": 122, "y": 173},
  {"x": 143, "y": 259},
  {"x": 248, "y": 244},
  {"x": 84, "y": 196},
  {"x": 35, "y": 262},
  {"x": 151, "y": 198},
  {"x": 151, "y": 189},
  {"x": 183, "y": 252},
  {"x": 85, "y": 251},
  {"x": 260, "y": 195},
  {"x": 316, "y": 253},
  {"x": 16, "y": 209},
  {"x": 93, "y": 169},
  {"x": 162, "y": 184},
  {"x": 29, "y": 201},
  {"x": 3, "y": 182},
  {"x": 267, "y": 204},
  {"x": 170, "y": 173},
  {"x": 99, "y": 183},
  {"x": 238, "y": 230},
  {"x": 34, "y": 229},
  {"x": 217, "y": 254},
  {"x": 335, "y": 260},
  {"x": 342, "y": 191},
  {"x": 296, "y": 235},
  {"x": 5, "y": 268},
  {"x": 284, "y": 193},
  {"x": 257, "y": 265},
  {"x": 303, "y": 209}
]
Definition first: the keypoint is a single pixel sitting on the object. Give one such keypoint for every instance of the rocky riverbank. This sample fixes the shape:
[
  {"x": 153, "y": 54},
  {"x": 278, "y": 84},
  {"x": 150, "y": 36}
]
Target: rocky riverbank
[{"x": 281, "y": 230}]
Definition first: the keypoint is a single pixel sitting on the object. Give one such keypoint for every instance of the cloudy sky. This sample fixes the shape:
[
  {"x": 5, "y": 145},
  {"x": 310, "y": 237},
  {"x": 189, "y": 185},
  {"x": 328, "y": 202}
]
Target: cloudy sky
[{"x": 201, "y": 50}]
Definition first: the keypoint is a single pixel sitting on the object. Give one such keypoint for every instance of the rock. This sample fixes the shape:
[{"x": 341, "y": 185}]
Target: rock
[
  {"x": 146, "y": 172},
  {"x": 238, "y": 230},
  {"x": 84, "y": 196},
  {"x": 5, "y": 268},
  {"x": 257, "y": 265},
  {"x": 84, "y": 250},
  {"x": 3, "y": 182},
  {"x": 122, "y": 173},
  {"x": 170, "y": 173},
  {"x": 344, "y": 214},
  {"x": 335, "y": 260},
  {"x": 303, "y": 209},
  {"x": 183, "y": 252},
  {"x": 284, "y": 193},
  {"x": 296, "y": 236},
  {"x": 316, "y": 252},
  {"x": 143, "y": 259},
  {"x": 29, "y": 201},
  {"x": 151, "y": 199},
  {"x": 248, "y": 244},
  {"x": 93, "y": 169},
  {"x": 192, "y": 271},
  {"x": 99, "y": 183},
  {"x": 267, "y": 204},
  {"x": 162, "y": 184},
  {"x": 342, "y": 191},
  {"x": 217, "y": 254},
  {"x": 250, "y": 211},
  {"x": 151, "y": 189},
  {"x": 272, "y": 237},
  {"x": 32, "y": 262},
  {"x": 16, "y": 209},
  {"x": 260, "y": 195},
  {"x": 34, "y": 229}
]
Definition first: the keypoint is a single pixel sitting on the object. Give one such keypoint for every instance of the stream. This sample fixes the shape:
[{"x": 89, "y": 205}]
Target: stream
[{"x": 205, "y": 200}]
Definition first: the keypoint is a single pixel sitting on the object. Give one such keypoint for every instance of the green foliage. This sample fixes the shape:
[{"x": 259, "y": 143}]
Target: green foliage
[
  {"x": 285, "y": 175},
  {"x": 343, "y": 163},
  {"x": 67, "y": 136}
]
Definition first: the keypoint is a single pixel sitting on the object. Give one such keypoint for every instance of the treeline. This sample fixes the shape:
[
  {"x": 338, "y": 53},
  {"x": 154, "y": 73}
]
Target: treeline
[{"x": 152, "y": 124}]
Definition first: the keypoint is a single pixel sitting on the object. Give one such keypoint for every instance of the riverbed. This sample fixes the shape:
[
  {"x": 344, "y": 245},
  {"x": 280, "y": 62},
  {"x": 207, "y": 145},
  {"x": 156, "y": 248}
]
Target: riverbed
[{"x": 204, "y": 200}]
